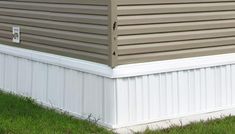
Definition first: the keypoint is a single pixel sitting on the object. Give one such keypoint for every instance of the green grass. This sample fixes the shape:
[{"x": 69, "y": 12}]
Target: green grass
[
  {"x": 218, "y": 126},
  {"x": 20, "y": 115}
]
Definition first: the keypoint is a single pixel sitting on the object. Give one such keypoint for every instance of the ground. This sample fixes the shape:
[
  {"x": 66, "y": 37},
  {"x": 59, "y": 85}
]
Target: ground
[
  {"x": 225, "y": 125},
  {"x": 19, "y": 115}
]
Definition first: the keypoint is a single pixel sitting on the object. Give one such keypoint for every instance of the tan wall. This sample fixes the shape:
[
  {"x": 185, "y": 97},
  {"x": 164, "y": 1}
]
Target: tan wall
[
  {"x": 147, "y": 30},
  {"x": 151, "y": 30},
  {"x": 76, "y": 28}
]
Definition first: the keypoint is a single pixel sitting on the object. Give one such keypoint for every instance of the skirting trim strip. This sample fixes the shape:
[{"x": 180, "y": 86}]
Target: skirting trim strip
[
  {"x": 62, "y": 61},
  {"x": 121, "y": 71}
]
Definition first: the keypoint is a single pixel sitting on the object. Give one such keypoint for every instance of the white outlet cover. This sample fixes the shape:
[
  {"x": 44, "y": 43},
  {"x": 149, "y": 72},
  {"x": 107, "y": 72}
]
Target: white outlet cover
[{"x": 16, "y": 34}]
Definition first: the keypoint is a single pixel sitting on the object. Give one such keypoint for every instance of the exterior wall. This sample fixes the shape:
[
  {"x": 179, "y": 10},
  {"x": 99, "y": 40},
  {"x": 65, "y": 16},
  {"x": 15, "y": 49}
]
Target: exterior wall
[
  {"x": 121, "y": 31},
  {"x": 75, "y": 28},
  {"x": 150, "y": 30},
  {"x": 79, "y": 93},
  {"x": 147, "y": 30}
]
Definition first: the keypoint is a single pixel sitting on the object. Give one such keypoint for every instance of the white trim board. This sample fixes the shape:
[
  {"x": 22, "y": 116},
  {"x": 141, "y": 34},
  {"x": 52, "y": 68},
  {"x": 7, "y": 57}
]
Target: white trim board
[
  {"x": 155, "y": 67},
  {"x": 62, "y": 61},
  {"x": 121, "y": 71}
]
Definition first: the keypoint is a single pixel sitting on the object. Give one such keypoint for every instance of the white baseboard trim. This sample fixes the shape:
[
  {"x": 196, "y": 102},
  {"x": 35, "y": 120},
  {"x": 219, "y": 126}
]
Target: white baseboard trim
[
  {"x": 172, "y": 65},
  {"x": 57, "y": 60},
  {"x": 121, "y": 71}
]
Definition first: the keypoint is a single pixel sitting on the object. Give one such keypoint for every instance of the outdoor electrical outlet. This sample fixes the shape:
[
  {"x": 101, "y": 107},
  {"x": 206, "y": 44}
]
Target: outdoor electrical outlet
[{"x": 16, "y": 34}]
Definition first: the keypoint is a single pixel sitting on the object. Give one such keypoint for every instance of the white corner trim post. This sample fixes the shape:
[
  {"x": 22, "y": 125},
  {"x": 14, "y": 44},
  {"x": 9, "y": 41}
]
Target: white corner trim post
[{"x": 127, "y": 95}]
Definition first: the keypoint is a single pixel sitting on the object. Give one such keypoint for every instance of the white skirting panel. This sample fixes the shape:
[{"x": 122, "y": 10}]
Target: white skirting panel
[
  {"x": 81, "y": 94},
  {"x": 125, "y": 96},
  {"x": 156, "y": 97}
]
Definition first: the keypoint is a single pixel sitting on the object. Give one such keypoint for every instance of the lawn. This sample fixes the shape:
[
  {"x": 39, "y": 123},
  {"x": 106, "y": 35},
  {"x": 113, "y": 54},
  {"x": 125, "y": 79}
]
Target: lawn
[
  {"x": 20, "y": 115},
  {"x": 218, "y": 126}
]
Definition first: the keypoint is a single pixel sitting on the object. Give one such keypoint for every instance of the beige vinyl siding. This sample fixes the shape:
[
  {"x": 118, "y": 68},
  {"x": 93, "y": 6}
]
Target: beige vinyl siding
[
  {"x": 150, "y": 30},
  {"x": 76, "y": 28},
  {"x": 147, "y": 30}
]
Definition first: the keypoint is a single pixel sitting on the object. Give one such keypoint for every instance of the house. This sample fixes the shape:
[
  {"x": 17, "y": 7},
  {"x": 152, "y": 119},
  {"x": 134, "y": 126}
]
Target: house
[{"x": 125, "y": 62}]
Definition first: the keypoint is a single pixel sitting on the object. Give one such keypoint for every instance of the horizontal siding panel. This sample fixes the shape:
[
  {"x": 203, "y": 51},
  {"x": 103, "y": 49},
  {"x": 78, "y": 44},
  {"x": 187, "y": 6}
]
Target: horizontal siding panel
[
  {"x": 71, "y": 28},
  {"x": 63, "y": 8},
  {"x": 170, "y": 46},
  {"x": 174, "y": 8},
  {"x": 68, "y": 26},
  {"x": 90, "y": 2},
  {"x": 166, "y": 37},
  {"x": 170, "y": 18},
  {"x": 126, "y": 59},
  {"x": 90, "y": 19},
  {"x": 137, "y": 2},
  {"x": 174, "y": 27}
]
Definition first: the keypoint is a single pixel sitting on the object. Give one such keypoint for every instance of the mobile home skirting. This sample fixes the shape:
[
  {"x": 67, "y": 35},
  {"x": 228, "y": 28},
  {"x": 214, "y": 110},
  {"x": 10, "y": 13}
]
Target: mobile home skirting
[
  {"x": 117, "y": 32},
  {"x": 125, "y": 96}
]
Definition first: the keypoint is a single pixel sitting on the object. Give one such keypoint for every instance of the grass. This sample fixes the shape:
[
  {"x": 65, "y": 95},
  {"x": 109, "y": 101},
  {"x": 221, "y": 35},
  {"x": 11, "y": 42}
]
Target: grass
[
  {"x": 20, "y": 115},
  {"x": 218, "y": 126}
]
